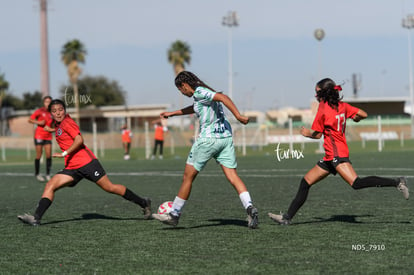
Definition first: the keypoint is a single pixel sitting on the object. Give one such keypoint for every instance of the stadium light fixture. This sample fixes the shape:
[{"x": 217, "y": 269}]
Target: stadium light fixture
[{"x": 230, "y": 20}]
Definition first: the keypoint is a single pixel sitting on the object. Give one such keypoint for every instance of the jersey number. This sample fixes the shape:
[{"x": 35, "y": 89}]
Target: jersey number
[{"x": 341, "y": 122}]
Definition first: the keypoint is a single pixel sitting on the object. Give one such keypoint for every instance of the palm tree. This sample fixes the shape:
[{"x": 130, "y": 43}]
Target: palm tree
[
  {"x": 72, "y": 53},
  {"x": 179, "y": 54}
]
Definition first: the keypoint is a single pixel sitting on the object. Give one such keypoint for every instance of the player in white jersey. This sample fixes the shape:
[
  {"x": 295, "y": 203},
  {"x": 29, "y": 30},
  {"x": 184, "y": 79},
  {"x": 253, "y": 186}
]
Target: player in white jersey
[{"x": 214, "y": 141}]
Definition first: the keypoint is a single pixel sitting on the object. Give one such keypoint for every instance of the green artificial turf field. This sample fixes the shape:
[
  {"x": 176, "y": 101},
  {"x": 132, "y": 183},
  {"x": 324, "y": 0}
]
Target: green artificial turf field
[{"x": 88, "y": 231}]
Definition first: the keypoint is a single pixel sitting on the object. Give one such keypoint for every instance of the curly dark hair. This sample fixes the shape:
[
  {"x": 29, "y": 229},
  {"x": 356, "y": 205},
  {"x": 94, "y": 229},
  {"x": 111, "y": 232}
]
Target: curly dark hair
[
  {"x": 191, "y": 79},
  {"x": 328, "y": 92}
]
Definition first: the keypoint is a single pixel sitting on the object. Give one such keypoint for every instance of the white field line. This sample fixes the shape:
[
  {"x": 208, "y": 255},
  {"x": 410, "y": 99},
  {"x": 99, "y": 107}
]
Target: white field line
[{"x": 247, "y": 173}]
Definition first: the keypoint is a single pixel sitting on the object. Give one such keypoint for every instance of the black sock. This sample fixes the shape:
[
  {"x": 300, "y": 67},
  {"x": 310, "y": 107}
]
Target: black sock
[
  {"x": 37, "y": 166},
  {"x": 131, "y": 196},
  {"x": 43, "y": 205},
  {"x": 48, "y": 165},
  {"x": 299, "y": 200},
  {"x": 374, "y": 181}
]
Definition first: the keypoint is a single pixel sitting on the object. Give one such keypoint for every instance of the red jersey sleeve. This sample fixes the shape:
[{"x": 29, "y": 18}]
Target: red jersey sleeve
[
  {"x": 71, "y": 128},
  {"x": 318, "y": 122},
  {"x": 35, "y": 114},
  {"x": 351, "y": 111}
]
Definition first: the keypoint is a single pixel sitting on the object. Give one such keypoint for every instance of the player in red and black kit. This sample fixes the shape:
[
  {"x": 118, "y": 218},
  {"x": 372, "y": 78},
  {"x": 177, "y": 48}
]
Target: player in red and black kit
[
  {"x": 330, "y": 121},
  {"x": 42, "y": 138},
  {"x": 80, "y": 163}
]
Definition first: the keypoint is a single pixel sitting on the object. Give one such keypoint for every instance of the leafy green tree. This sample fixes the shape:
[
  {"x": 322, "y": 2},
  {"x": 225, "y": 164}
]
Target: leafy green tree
[
  {"x": 4, "y": 85},
  {"x": 32, "y": 100},
  {"x": 179, "y": 54},
  {"x": 96, "y": 90},
  {"x": 12, "y": 101},
  {"x": 4, "y": 125},
  {"x": 72, "y": 53}
]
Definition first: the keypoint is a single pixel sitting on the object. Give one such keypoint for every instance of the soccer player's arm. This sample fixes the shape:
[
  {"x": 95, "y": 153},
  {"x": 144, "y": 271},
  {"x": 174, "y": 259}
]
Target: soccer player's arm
[
  {"x": 310, "y": 133},
  {"x": 185, "y": 111},
  {"x": 360, "y": 115},
  {"x": 317, "y": 126},
  {"x": 33, "y": 119},
  {"x": 77, "y": 143},
  {"x": 49, "y": 126},
  {"x": 231, "y": 106},
  {"x": 49, "y": 129}
]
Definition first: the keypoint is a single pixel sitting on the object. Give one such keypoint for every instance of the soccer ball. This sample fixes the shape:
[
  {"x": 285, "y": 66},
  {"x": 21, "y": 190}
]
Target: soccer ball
[{"x": 165, "y": 207}]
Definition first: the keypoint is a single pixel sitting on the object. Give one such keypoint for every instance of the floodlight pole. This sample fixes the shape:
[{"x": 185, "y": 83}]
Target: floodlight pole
[
  {"x": 230, "y": 21},
  {"x": 408, "y": 23}
]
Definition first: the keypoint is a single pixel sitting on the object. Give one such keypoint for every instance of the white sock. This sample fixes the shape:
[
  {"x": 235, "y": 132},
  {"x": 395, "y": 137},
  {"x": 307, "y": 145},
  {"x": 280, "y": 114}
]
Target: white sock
[
  {"x": 245, "y": 199},
  {"x": 177, "y": 206}
]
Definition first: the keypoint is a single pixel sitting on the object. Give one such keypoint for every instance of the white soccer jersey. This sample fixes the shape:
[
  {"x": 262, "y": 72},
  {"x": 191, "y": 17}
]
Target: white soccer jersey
[{"x": 213, "y": 123}]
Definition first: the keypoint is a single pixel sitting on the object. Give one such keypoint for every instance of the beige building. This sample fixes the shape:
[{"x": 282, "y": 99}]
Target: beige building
[{"x": 106, "y": 119}]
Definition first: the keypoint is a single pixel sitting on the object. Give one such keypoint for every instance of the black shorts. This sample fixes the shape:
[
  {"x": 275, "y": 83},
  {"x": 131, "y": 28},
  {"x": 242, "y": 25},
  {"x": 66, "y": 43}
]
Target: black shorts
[
  {"x": 92, "y": 171},
  {"x": 41, "y": 141},
  {"x": 330, "y": 165}
]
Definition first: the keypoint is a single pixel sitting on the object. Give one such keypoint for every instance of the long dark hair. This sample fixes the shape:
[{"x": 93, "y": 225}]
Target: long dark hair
[
  {"x": 329, "y": 92},
  {"x": 191, "y": 79}
]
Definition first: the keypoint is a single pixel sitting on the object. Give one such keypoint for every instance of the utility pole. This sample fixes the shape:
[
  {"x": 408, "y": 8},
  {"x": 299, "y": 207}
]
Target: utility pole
[
  {"x": 44, "y": 51},
  {"x": 408, "y": 23},
  {"x": 319, "y": 35}
]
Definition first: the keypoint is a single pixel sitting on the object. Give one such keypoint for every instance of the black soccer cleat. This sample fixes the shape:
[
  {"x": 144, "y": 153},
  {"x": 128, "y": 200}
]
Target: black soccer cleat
[
  {"x": 147, "y": 209},
  {"x": 252, "y": 217},
  {"x": 29, "y": 219},
  {"x": 168, "y": 218},
  {"x": 402, "y": 187},
  {"x": 280, "y": 219}
]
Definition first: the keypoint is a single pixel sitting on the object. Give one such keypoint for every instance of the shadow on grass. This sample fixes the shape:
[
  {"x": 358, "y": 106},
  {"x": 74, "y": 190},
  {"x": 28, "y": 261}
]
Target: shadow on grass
[
  {"x": 342, "y": 218},
  {"x": 348, "y": 219},
  {"x": 90, "y": 216},
  {"x": 216, "y": 222},
  {"x": 222, "y": 222}
]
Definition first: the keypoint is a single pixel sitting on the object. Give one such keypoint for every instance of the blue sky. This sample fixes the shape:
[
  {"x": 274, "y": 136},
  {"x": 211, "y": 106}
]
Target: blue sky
[{"x": 276, "y": 59}]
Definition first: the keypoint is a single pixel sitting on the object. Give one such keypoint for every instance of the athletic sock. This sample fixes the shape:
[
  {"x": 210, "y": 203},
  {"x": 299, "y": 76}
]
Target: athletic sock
[
  {"x": 37, "y": 166},
  {"x": 245, "y": 199},
  {"x": 48, "y": 165},
  {"x": 374, "y": 181},
  {"x": 299, "y": 200},
  {"x": 131, "y": 196},
  {"x": 177, "y": 207},
  {"x": 43, "y": 205}
]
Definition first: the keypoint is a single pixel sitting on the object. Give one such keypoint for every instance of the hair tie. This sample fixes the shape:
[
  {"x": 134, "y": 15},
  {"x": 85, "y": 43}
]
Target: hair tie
[{"x": 338, "y": 88}]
